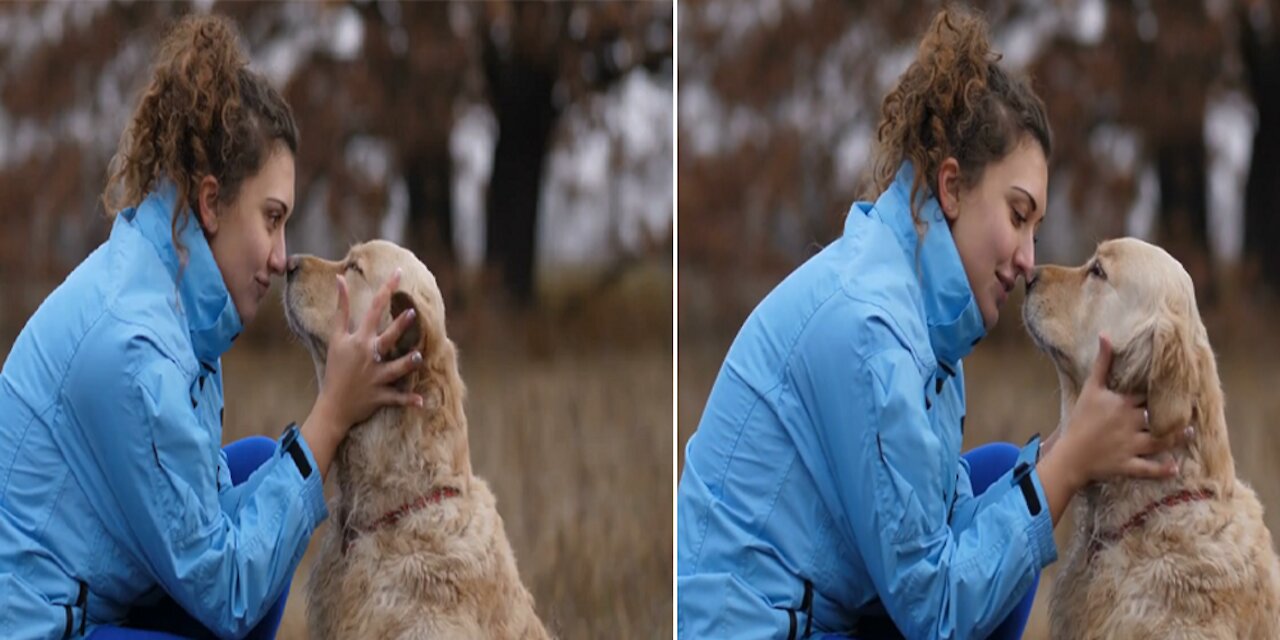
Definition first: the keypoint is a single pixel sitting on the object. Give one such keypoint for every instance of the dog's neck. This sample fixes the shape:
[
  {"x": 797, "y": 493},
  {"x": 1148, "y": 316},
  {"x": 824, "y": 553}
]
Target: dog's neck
[
  {"x": 1204, "y": 462},
  {"x": 401, "y": 454}
]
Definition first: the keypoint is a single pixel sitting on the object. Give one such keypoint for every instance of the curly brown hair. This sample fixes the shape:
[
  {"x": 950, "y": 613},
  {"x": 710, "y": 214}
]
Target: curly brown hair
[
  {"x": 203, "y": 113},
  {"x": 954, "y": 100}
]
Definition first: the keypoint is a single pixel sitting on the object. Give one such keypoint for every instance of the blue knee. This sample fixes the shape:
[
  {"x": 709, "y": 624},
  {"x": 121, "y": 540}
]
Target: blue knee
[
  {"x": 988, "y": 462},
  {"x": 246, "y": 455}
]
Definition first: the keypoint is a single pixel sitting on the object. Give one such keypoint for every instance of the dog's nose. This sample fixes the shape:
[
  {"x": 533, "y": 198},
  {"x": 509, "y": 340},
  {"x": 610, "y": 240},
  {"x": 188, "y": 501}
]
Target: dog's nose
[
  {"x": 291, "y": 267},
  {"x": 1031, "y": 282}
]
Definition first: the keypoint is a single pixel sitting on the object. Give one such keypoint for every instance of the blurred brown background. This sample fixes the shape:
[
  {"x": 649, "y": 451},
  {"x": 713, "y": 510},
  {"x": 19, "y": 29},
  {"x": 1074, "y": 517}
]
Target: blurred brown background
[
  {"x": 522, "y": 150},
  {"x": 1166, "y": 118}
]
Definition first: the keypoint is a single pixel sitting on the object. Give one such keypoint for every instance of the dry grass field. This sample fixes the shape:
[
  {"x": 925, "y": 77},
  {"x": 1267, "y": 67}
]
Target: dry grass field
[
  {"x": 571, "y": 425},
  {"x": 577, "y": 450},
  {"x": 1012, "y": 393},
  {"x": 570, "y": 422}
]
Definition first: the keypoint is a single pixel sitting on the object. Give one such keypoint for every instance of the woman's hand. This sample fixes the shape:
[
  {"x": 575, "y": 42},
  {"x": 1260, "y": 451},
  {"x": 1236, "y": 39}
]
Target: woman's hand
[
  {"x": 357, "y": 380},
  {"x": 1105, "y": 436},
  {"x": 1106, "y": 433}
]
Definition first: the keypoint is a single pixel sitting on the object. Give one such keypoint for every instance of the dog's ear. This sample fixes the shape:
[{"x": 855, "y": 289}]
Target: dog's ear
[
  {"x": 413, "y": 336},
  {"x": 1172, "y": 378}
]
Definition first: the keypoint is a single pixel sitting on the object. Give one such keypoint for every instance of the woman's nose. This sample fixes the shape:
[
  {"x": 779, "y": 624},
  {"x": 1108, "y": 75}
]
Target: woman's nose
[
  {"x": 1024, "y": 259},
  {"x": 278, "y": 262}
]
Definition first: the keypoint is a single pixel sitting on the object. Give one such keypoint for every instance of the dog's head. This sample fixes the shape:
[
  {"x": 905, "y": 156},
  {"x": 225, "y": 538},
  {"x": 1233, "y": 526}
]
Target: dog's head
[
  {"x": 398, "y": 439},
  {"x": 311, "y": 300},
  {"x": 1144, "y": 301}
]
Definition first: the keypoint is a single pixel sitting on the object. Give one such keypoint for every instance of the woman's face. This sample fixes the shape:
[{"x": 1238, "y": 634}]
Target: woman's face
[
  {"x": 994, "y": 223},
  {"x": 247, "y": 235}
]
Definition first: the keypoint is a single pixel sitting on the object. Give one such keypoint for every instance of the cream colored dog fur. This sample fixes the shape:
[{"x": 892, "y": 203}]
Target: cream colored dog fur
[
  {"x": 1199, "y": 567},
  {"x": 444, "y": 570}
]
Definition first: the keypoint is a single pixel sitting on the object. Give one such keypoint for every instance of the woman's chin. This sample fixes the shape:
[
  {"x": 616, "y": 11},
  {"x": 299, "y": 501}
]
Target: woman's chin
[
  {"x": 990, "y": 316},
  {"x": 247, "y": 311}
]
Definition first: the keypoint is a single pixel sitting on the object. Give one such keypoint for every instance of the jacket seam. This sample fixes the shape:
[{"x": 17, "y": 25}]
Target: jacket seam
[
  {"x": 923, "y": 361},
  {"x": 54, "y": 397},
  {"x": 741, "y": 424},
  {"x": 13, "y": 460}
]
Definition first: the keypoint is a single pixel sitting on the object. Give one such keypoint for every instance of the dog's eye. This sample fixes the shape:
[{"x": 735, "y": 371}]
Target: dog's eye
[
  {"x": 352, "y": 266},
  {"x": 1096, "y": 271}
]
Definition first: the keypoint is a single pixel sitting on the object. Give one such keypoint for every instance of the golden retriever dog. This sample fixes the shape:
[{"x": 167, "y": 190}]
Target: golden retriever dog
[
  {"x": 415, "y": 547},
  {"x": 1187, "y": 557}
]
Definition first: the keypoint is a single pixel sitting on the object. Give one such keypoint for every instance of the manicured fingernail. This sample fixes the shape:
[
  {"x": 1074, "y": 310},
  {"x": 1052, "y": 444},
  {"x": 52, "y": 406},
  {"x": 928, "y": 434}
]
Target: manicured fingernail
[
  {"x": 397, "y": 273},
  {"x": 418, "y": 401},
  {"x": 411, "y": 314},
  {"x": 1189, "y": 432},
  {"x": 417, "y": 357}
]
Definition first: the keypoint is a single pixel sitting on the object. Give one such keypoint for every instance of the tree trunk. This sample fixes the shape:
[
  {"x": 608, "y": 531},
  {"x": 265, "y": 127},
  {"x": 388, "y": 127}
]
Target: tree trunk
[
  {"x": 429, "y": 177},
  {"x": 1184, "y": 228},
  {"x": 1262, "y": 192},
  {"x": 521, "y": 99}
]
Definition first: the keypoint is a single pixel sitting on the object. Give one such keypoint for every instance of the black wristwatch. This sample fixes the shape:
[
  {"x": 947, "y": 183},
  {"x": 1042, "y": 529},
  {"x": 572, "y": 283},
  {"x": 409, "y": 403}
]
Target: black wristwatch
[
  {"x": 1028, "y": 457},
  {"x": 289, "y": 444}
]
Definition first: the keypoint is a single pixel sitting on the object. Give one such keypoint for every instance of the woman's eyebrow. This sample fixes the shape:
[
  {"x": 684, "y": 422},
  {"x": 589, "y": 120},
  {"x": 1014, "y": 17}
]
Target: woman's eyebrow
[{"x": 1028, "y": 195}]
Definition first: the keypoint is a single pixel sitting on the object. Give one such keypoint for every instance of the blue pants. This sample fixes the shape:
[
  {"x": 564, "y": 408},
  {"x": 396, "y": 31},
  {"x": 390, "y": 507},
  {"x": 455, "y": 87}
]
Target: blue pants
[
  {"x": 168, "y": 619},
  {"x": 986, "y": 464}
]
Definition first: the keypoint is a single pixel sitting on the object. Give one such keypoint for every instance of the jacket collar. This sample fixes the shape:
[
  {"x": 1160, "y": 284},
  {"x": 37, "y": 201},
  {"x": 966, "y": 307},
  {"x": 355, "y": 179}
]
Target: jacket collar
[
  {"x": 954, "y": 319},
  {"x": 212, "y": 318}
]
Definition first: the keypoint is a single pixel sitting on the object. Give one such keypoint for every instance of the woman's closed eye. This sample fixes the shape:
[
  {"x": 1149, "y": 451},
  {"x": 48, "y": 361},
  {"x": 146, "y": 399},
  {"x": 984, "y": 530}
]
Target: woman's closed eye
[
  {"x": 275, "y": 219},
  {"x": 1020, "y": 221}
]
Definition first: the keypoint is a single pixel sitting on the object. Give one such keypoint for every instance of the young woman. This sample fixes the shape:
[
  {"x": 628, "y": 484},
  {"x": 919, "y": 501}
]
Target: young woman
[
  {"x": 824, "y": 490},
  {"x": 113, "y": 489}
]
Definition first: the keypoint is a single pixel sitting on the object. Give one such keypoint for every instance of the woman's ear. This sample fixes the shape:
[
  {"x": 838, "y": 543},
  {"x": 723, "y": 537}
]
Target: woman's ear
[
  {"x": 207, "y": 201},
  {"x": 949, "y": 188}
]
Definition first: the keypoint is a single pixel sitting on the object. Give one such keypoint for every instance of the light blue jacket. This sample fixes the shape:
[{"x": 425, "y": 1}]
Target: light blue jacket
[
  {"x": 825, "y": 479},
  {"x": 111, "y": 470}
]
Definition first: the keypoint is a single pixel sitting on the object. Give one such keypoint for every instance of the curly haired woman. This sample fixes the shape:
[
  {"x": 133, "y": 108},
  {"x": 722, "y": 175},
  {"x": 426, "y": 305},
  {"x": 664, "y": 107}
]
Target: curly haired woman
[
  {"x": 117, "y": 504},
  {"x": 824, "y": 490}
]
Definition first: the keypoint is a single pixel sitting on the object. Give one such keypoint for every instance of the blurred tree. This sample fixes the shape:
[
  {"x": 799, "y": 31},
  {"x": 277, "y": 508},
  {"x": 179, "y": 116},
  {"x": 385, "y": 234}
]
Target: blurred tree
[
  {"x": 532, "y": 73},
  {"x": 779, "y": 102},
  {"x": 59, "y": 72},
  {"x": 374, "y": 86},
  {"x": 776, "y": 102},
  {"x": 1170, "y": 56},
  {"x": 1259, "y": 28},
  {"x": 393, "y": 102}
]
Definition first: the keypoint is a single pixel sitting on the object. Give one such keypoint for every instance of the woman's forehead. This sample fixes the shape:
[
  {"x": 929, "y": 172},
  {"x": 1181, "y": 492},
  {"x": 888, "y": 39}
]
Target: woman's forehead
[{"x": 1023, "y": 172}]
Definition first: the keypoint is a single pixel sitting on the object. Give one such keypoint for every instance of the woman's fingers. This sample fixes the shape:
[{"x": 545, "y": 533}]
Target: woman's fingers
[
  {"x": 1151, "y": 469},
  {"x": 1147, "y": 444},
  {"x": 401, "y": 398},
  {"x": 1176, "y": 439},
  {"x": 379, "y": 305},
  {"x": 341, "y": 319},
  {"x": 1101, "y": 364},
  {"x": 400, "y": 367},
  {"x": 391, "y": 336}
]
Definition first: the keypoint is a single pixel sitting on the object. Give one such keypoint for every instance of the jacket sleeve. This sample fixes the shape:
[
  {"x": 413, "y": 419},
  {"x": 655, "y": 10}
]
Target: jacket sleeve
[
  {"x": 935, "y": 580},
  {"x": 226, "y": 569}
]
